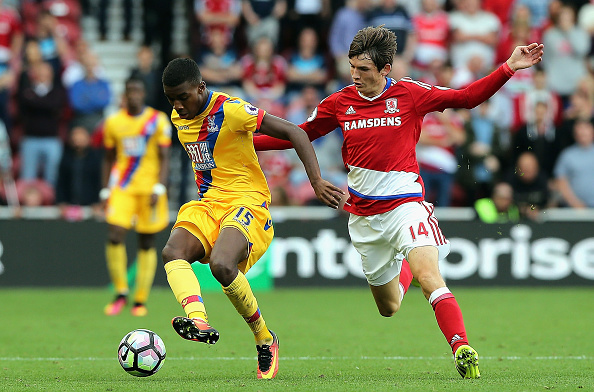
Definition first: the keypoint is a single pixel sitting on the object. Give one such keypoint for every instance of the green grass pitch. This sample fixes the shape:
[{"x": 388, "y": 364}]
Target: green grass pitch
[{"x": 529, "y": 339}]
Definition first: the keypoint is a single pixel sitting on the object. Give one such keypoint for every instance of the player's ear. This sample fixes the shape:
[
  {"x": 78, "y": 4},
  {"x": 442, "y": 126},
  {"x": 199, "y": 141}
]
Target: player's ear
[
  {"x": 386, "y": 70},
  {"x": 201, "y": 87}
]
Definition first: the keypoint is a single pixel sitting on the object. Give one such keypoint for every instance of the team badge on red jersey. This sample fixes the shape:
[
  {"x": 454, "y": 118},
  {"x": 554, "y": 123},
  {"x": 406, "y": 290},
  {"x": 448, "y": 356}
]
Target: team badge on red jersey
[{"x": 391, "y": 106}]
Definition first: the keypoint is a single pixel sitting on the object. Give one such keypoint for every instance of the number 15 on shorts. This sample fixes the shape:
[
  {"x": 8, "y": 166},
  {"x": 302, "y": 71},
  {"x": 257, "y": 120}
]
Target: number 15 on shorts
[{"x": 243, "y": 217}]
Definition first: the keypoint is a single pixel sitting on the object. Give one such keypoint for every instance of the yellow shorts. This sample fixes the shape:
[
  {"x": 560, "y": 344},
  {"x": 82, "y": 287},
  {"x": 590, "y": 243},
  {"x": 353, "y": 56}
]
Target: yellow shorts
[
  {"x": 205, "y": 220},
  {"x": 132, "y": 210}
]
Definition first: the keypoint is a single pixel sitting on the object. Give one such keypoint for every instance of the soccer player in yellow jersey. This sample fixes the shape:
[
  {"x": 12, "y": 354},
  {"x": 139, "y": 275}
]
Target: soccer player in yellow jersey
[
  {"x": 229, "y": 225},
  {"x": 137, "y": 140}
]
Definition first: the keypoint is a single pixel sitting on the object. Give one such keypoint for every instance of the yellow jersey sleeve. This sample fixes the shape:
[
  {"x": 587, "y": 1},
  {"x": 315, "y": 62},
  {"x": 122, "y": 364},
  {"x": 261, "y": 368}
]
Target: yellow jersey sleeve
[
  {"x": 109, "y": 140},
  {"x": 163, "y": 134},
  {"x": 242, "y": 116}
]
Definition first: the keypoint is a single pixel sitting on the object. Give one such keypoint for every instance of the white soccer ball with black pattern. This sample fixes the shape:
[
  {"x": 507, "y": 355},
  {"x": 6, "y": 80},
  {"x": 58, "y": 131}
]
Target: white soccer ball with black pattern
[{"x": 141, "y": 353}]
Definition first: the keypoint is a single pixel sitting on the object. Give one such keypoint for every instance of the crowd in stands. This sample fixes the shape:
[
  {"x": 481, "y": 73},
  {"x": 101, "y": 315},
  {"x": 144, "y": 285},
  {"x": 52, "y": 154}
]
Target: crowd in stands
[{"x": 531, "y": 144}]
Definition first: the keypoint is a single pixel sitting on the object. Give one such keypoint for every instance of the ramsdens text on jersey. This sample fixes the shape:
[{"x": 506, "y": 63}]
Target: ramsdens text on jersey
[{"x": 372, "y": 123}]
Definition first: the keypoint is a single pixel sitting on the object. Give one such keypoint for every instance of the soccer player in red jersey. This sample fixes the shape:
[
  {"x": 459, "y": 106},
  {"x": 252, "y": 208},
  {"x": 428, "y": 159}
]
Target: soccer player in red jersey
[{"x": 389, "y": 220}]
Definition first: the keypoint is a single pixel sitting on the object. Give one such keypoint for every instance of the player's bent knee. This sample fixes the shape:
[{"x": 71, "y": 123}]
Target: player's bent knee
[
  {"x": 169, "y": 253},
  {"x": 431, "y": 282},
  {"x": 388, "y": 310},
  {"x": 223, "y": 272}
]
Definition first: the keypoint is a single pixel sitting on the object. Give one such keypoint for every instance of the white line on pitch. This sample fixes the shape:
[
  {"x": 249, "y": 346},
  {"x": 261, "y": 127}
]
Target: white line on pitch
[{"x": 511, "y": 358}]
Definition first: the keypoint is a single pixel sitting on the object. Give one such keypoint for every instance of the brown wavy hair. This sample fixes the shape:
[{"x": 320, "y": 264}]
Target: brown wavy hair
[{"x": 377, "y": 42}]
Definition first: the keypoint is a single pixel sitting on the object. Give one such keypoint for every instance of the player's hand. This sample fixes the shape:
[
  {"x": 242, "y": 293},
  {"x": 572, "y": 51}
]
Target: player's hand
[
  {"x": 525, "y": 56},
  {"x": 154, "y": 199},
  {"x": 104, "y": 196},
  {"x": 158, "y": 190},
  {"x": 327, "y": 193}
]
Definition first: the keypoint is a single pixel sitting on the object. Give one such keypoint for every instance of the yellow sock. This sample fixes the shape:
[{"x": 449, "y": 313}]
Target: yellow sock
[
  {"x": 241, "y": 296},
  {"x": 117, "y": 262},
  {"x": 146, "y": 267},
  {"x": 185, "y": 287}
]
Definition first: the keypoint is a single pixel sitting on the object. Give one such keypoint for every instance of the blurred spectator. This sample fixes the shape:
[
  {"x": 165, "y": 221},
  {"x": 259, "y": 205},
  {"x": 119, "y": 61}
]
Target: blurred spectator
[
  {"x": 264, "y": 73},
  {"x": 573, "y": 170},
  {"x": 303, "y": 105},
  {"x": 581, "y": 107},
  {"x": 525, "y": 102},
  {"x": 40, "y": 108},
  {"x": 474, "y": 36},
  {"x": 32, "y": 56},
  {"x": 400, "y": 69},
  {"x": 569, "y": 46},
  {"x": 220, "y": 16},
  {"x": 585, "y": 19},
  {"x": 315, "y": 14},
  {"x": 327, "y": 150},
  {"x": 482, "y": 154},
  {"x": 279, "y": 196},
  {"x": 8, "y": 194},
  {"x": 307, "y": 66},
  {"x": 147, "y": 70},
  {"x": 5, "y": 153},
  {"x": 52, "y": 41},
  {"x": 276, "y": 167},
  {"x": 539, "y": 9},
  {"x": 518, "y": 32},
  {"x": 530, "y": 184},
  {"x": 104, "y": 6},
  {"x": 413, "y": 7},
  {"x": 74, "y": 69},
  {"x": 79, "y": 180},
  {"x": 66, "y": 13},
  {"x": 157, "y": 27},
  {"x": 395, "y": 17},
  {"x": 11, "y": 45},
  {"x": 90, "y": 96},
  {"x": 500, "y": 8},
  {"x": 500, "y": 207},
  {"x": 438, "y": 73},
  {"x": 441, "y": 134},
  {"x": 540, "y": 137},
  {"x": 35, "y": 193},
  {"x": 347, "y": 21},
  {"x": 432, "y": 31},
  {"x": 263, "y": 19},
  {"x": 219, "y": 65}
]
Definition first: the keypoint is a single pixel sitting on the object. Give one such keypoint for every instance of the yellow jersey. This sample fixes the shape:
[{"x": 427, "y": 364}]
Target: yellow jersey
[
  {"x": 219, "y": 143},
  {"x": 137, "y": 140}
]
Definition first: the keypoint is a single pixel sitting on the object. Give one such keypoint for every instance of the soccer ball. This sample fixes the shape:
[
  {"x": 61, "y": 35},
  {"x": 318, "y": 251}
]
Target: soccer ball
[{"x": 141, "y": 353}]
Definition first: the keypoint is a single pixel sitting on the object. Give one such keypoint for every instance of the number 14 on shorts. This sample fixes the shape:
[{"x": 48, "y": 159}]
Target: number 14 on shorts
[{"x": 420, "y": 231}]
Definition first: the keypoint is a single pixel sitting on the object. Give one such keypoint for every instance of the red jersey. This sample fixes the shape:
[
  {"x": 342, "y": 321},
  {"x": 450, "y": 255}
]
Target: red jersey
[
  {"x": 264, "y": 75},
  {"x": 432, "y": 29},
  {"x": 10, "y": 24},
  {"x": 381, "y": 133},
  {"x": 221, "y": 7}
]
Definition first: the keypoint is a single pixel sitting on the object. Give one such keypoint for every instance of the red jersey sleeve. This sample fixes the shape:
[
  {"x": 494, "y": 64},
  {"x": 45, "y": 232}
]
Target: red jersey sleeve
[
  {"x": 429, "y": 98},
  {"x": 321, "y": 122}
]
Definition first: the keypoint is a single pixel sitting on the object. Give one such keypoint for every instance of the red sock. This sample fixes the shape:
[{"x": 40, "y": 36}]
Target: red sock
[
  {"x": 449, "y": 317},
  {"x": 405, "y": 277}
]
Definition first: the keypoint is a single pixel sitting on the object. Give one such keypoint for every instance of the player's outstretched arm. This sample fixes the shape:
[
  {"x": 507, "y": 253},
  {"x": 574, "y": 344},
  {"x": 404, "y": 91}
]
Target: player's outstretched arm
[
  {"x": 525, "y": 56},
  {"x": 277, "y": 127},
  {"x": 481, "y": 90}
]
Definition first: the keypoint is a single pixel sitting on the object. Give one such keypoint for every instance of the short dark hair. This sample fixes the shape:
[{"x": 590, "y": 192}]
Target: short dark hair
[
  {"x": 135, "y": 79},
  {"x": 181, "y": 70},
  {"x": 378, "y": 42}
]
